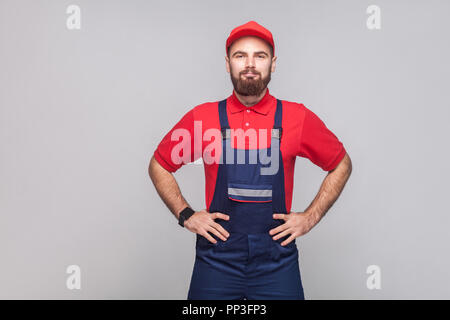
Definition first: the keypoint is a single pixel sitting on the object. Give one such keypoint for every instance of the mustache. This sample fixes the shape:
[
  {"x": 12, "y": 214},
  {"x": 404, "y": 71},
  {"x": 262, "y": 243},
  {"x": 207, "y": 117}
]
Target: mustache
[{"x": 249, "y": 71}]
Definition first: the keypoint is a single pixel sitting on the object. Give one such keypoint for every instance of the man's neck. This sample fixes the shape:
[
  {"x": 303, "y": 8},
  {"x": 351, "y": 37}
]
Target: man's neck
[{"x": 249, "y": 101}]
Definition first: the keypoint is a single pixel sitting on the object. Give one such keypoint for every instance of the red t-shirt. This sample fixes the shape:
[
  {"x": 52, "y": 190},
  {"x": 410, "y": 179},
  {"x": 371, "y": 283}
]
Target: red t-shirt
[{"x": 304, "y": 135}]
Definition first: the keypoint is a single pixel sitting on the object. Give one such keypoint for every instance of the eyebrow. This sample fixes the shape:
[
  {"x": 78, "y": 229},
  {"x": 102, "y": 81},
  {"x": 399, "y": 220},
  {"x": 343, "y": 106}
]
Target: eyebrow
[{"x": 245, "y": 53}]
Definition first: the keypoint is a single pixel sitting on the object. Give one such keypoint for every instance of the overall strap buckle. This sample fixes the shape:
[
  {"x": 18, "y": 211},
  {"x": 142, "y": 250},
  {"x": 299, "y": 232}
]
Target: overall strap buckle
[
  {"x": 226, "y": 133},
  {"x": 277, "y": 133}
]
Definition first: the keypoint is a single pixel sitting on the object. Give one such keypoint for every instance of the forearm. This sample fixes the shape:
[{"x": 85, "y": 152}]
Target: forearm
[
  {"x": 167, "y": 187},
  {"x": 330, "y": 189}
]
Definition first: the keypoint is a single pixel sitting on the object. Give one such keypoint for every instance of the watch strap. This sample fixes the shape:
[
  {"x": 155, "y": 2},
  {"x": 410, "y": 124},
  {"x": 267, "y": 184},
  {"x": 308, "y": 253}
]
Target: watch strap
[{"x": 185, "y": 214}]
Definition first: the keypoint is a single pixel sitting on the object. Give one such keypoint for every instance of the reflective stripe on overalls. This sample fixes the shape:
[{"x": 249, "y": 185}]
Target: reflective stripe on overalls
[{"x": 249, "y": 264}]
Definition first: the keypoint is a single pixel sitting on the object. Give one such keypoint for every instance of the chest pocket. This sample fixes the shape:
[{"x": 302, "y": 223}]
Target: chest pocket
[
  {"x": 249, "y": 193},
  {"x": 249, "y": 178}
]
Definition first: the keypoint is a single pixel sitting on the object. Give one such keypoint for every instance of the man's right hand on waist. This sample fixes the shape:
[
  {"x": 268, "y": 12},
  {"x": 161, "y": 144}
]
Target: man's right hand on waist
[{"x": 202, "y": 222}]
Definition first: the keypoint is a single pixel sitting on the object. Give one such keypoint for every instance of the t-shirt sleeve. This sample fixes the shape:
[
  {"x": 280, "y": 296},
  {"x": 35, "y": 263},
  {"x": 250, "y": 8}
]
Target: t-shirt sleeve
[
  {"x": 177, "y": 147},
  {"x": 319, "y": 144}
]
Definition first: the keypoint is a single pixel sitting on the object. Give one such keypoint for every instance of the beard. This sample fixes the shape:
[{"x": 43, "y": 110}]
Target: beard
[{"x": 250, "y": 86}]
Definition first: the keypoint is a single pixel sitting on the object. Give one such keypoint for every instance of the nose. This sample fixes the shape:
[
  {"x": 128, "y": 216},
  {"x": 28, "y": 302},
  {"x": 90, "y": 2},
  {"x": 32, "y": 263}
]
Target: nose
[{"x": 250, "y": 62}]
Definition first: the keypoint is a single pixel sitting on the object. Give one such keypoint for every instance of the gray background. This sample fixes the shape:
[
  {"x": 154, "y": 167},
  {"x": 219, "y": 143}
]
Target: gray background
[{"x": 82, "y": 112}]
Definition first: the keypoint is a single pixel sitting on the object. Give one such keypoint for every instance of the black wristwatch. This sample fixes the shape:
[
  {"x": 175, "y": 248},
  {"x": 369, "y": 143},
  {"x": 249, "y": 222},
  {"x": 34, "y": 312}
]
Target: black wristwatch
[{"x": 184, "y": 215}]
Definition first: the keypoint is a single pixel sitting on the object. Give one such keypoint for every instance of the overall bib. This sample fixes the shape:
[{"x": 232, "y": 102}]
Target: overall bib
[{"x": 249, "y": 264}]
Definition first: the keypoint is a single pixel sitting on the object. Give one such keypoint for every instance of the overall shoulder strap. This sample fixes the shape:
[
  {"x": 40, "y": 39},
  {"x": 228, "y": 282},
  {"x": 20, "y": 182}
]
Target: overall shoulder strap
[
  {"x": 277, "y": 128},
  {"x": 224, "y": 119}
]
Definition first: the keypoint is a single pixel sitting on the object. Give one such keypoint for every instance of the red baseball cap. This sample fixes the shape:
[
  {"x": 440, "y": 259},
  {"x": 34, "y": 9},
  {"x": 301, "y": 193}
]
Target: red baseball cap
[{"x": 250, "y": 28}]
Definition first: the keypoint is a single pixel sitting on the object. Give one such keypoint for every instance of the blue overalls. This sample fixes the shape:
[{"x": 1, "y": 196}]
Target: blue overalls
[{"x": 249, "y": 264}]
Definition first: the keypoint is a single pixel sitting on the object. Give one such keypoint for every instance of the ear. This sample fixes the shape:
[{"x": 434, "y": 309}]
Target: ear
[
  {"x": 227, "y": 63},
  {"x": 274, "y": 64}
]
